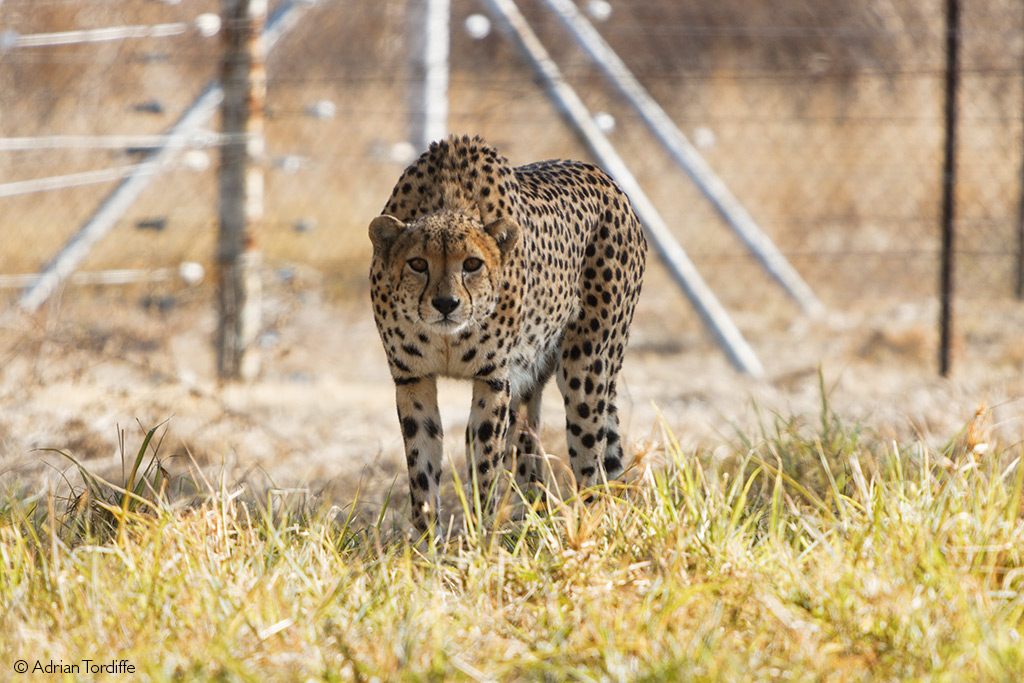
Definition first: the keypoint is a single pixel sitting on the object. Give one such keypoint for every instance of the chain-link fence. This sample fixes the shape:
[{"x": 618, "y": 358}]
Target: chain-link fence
[
  {"x": 825, "y": 120},
  {"x": 67, "y": 100}
]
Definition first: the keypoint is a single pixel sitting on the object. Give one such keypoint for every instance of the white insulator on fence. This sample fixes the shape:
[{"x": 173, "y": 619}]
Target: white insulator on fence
[
  {"x": 599, "y": 10},
  {"x": 196, "y": 160},
  {"x": 208, "y": 24},
  {"x": 291, "y": 163},
  {"x": 704, "y": 137},
  {"x": 322, "y": 109},
  {"x": 477, "y": 26},
  {"x": 191, "y": 272},
  {"x": 402, "y": 152},
  {"x": 8, "y": 39},
  {"x": 604, "y": 121}
]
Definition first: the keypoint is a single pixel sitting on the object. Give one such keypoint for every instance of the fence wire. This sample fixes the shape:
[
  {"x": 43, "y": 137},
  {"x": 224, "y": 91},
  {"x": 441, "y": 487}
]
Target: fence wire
[{"x": 823, "y": 118}]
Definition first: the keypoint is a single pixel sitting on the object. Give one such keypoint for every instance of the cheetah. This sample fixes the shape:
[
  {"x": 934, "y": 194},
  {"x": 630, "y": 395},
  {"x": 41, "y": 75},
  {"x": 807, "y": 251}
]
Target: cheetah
[{"x": 504, "y": 277}]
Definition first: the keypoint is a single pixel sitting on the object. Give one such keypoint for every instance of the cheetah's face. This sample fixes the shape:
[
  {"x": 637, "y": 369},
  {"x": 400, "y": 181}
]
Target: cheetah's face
[{"x": 444, "y": 270}]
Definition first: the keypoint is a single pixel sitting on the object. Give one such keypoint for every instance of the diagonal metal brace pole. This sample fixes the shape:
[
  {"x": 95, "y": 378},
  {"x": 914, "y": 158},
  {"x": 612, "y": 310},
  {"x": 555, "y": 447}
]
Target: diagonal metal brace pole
[
  {"x": 687, "y": 156},
  {"x": 710, "y": 310}
]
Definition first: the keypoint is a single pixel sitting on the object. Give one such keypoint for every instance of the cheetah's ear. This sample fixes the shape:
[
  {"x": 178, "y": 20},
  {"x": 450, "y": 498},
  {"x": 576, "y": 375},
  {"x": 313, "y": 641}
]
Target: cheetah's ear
[
  {"x": 383, "y": 232},
  {"x": 506, "y": 233}
]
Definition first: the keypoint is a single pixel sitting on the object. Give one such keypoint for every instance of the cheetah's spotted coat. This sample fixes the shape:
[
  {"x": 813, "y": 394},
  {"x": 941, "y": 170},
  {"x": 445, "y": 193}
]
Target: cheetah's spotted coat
[{"x": 505, "y": 276}]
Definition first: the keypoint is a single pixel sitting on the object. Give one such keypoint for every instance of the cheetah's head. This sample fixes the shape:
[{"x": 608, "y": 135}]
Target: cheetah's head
[{"x": 444, "y": 270}]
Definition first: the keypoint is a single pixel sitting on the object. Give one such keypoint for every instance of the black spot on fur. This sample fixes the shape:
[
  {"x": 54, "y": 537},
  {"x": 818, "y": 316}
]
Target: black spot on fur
[
  {"x": 486, "y": 430},
  {"x": 412, "y": 350}
]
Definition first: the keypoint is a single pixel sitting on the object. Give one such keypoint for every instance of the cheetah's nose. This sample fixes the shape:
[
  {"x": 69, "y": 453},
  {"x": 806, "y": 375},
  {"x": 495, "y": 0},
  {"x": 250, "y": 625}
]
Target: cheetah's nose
[{"x": 445, "y": 304}]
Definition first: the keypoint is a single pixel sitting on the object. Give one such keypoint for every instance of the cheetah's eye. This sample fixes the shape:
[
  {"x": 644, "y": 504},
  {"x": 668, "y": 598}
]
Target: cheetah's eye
[
  {"x": 418, "y": 264},
  {"x": 471, "y": 265}
]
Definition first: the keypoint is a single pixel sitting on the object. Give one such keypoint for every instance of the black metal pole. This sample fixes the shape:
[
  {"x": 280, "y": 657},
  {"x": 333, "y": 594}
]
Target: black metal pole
[
  {"x": 949, "y": 186},
  {"x": 1020, "y": 230},
  {"x": 1020, "y": 233}
]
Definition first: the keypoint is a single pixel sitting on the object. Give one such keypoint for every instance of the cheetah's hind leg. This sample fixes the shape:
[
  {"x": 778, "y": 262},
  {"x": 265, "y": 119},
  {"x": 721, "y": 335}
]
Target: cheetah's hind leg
[{"x": 525, "y": 453}]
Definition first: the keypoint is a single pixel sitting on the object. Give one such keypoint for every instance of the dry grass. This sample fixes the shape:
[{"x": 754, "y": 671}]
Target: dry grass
[{"x": 803, "y": 554}]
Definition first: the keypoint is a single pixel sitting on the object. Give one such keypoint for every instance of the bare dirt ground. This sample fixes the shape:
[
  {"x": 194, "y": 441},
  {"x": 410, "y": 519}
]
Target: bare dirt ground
[{"x": 321, "y": 418}]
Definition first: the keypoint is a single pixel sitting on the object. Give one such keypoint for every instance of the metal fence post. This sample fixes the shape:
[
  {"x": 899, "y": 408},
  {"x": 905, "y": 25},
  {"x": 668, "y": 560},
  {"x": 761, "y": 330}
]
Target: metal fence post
[
  {"x": 428, "y": 31},
  {"x": 949, "y": 187},
  {"x": 241, "y": 189}
]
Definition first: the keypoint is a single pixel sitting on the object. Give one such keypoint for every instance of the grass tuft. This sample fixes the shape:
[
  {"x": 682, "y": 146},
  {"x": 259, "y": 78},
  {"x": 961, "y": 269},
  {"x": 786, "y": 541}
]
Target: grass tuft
[{"x": 810, "y": 552}]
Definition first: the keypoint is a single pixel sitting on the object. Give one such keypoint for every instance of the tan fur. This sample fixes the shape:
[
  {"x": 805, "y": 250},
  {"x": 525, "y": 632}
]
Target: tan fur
[{"x": 505, "y": 277}]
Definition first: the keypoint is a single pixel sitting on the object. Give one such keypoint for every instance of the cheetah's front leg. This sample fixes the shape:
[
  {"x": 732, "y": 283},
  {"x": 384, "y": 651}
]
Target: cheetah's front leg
[
  {"x": 421, "y": 431},
  {"x": 485, "y": 434}
]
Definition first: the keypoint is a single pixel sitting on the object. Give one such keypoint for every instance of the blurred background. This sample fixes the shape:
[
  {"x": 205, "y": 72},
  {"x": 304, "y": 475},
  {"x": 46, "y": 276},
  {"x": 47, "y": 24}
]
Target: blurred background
[{"x": 825, "y": 120}]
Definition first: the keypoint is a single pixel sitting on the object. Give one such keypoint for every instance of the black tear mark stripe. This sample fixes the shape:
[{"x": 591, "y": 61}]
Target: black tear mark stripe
[{"x": 426, "y": 285}]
